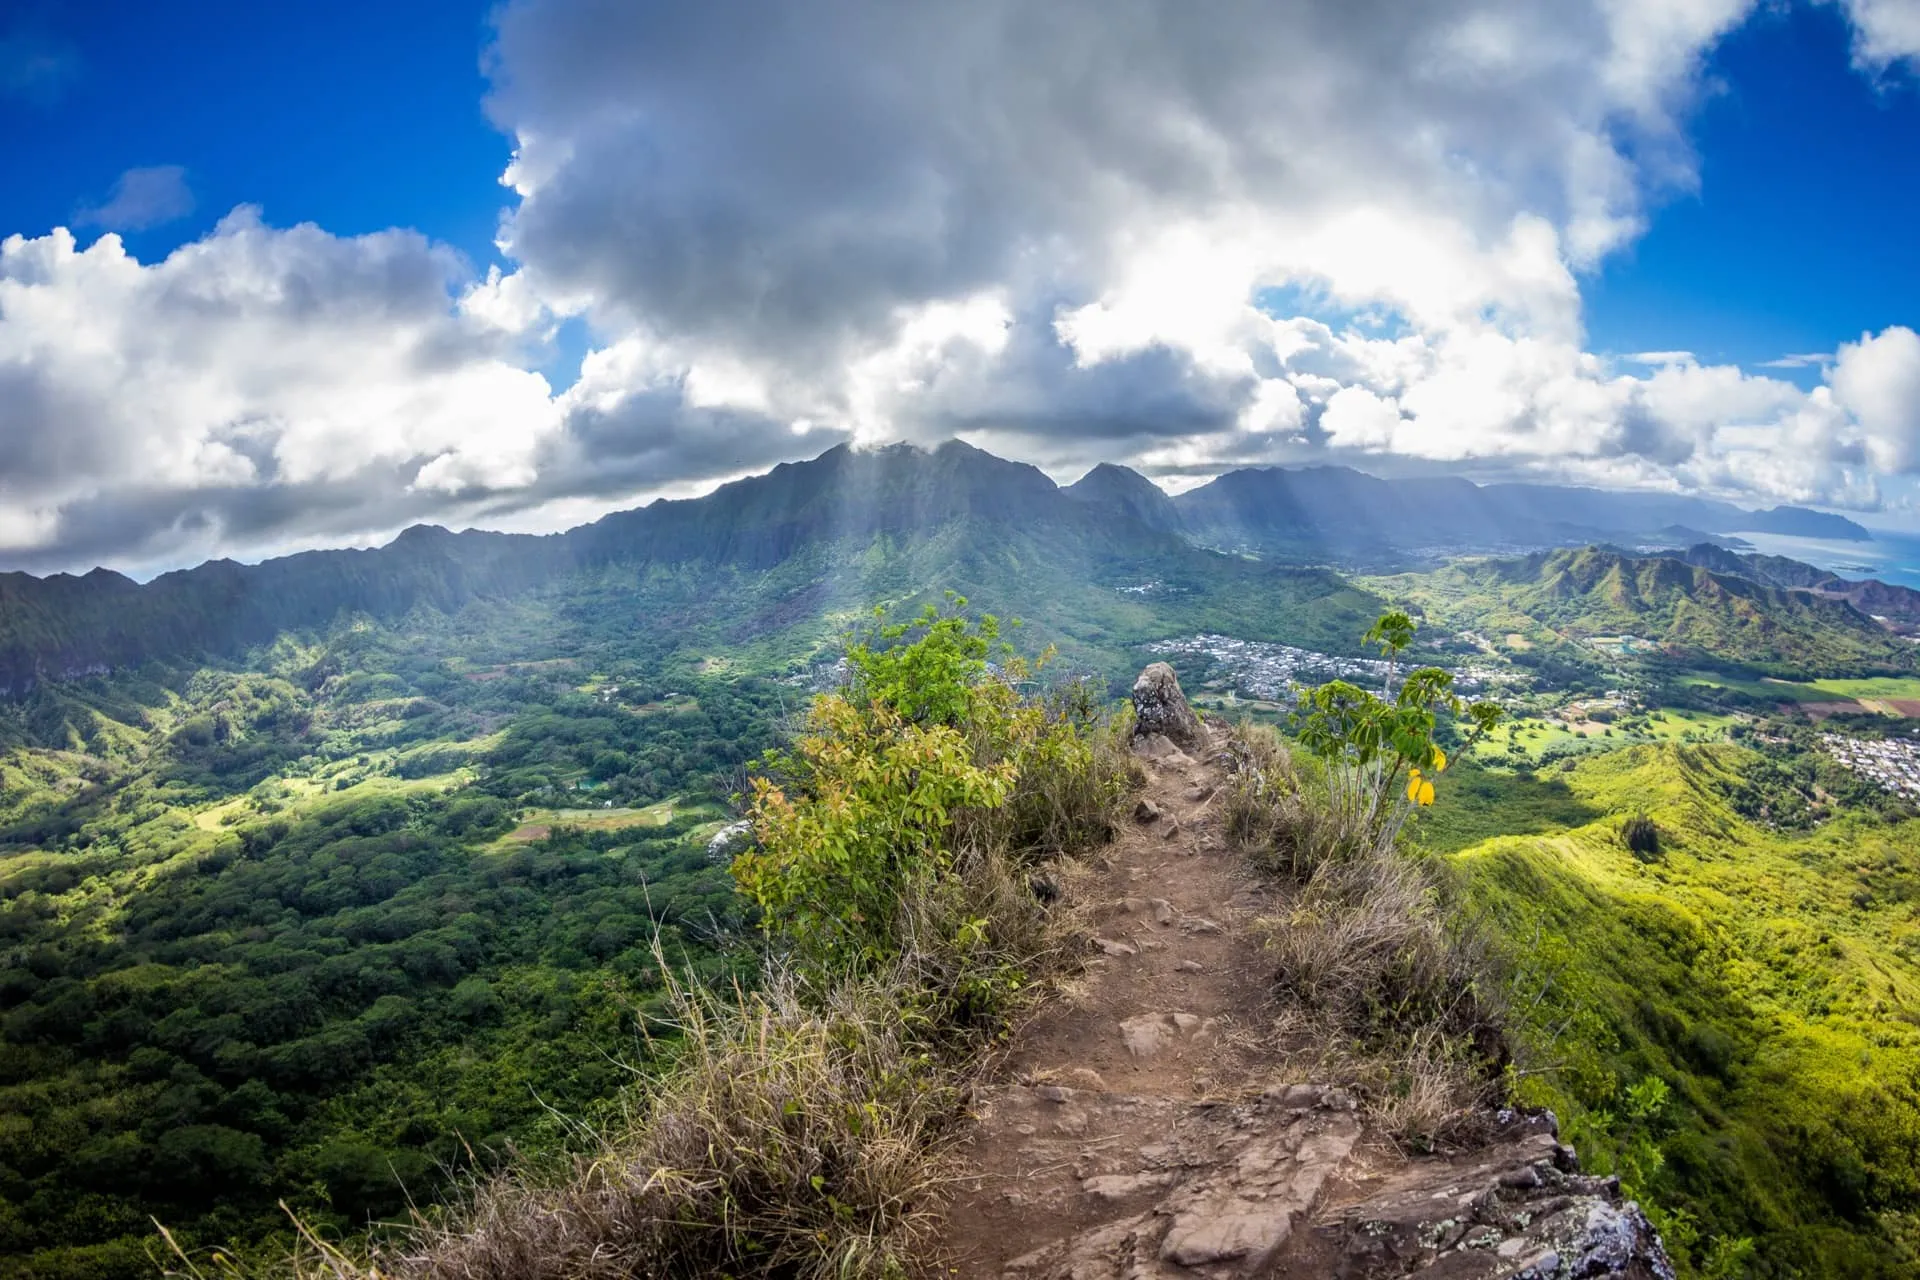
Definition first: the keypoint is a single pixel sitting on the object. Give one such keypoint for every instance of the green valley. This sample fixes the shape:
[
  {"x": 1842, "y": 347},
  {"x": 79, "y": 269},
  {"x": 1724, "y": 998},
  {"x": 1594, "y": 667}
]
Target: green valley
[{"x": 333, "y": 880}]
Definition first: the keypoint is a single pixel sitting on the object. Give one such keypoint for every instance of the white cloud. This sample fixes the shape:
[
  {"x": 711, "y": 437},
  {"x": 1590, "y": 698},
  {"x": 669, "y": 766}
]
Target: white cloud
[
  {"x": 142, "y": 198},
  {"x": 1884, "y": 32},
  {"x": 250, "y": 372},
  {"x": 1877, "y": 379},
  {"x": 789, "y": 201}
]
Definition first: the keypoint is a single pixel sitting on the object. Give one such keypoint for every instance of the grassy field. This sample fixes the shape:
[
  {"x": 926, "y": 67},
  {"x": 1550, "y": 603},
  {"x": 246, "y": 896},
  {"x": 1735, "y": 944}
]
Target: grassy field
[
  {"x": 537, "y": 824},
  {"x": 1889, "y": 695},
  {"x": 1540, "y": 734}
]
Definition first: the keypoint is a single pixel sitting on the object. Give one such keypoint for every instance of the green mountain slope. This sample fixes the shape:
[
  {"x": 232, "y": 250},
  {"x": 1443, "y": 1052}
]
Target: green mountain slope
[
  {"x": 1688, "y": 609},
  {"x": 1770, "y": 980}
]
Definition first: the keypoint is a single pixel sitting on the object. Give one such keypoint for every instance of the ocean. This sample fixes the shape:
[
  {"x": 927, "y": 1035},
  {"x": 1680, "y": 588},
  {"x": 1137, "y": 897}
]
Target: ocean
[{"x": 1890, "y": 557}]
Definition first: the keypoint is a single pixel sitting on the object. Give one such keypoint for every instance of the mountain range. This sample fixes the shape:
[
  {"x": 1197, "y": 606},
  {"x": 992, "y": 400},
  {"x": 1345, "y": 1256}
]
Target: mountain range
[
  {"x": 791, "y": 543},
  {"x": 1342, "y": 514}
]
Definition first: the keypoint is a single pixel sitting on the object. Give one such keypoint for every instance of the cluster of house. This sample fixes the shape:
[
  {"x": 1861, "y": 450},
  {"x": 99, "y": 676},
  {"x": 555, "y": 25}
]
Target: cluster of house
[
  {"x": 1259, "y": 669},
  {"x": 1893, "y": 763}
]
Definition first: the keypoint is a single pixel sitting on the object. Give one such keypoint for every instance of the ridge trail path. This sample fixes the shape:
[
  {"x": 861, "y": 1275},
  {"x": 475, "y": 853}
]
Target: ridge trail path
[{"x": 1146, "y": 1124}]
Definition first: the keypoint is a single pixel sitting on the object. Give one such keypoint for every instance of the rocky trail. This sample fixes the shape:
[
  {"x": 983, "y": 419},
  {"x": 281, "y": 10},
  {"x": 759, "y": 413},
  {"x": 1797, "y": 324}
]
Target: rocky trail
[{"x": 1146, "y": 1125}]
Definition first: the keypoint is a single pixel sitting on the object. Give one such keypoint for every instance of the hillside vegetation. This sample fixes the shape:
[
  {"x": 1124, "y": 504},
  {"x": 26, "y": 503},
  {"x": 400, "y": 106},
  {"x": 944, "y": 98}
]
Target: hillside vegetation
[
  {"x": 1730, "y": 1017},
  {"x": 1690, "y": 610},
  {"x": 797, "y": 1129}
]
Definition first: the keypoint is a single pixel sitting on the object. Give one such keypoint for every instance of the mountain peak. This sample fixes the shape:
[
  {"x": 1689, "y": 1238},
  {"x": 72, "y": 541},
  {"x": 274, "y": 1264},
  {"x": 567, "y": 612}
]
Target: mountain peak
[{"x": 1117, "y": 488}]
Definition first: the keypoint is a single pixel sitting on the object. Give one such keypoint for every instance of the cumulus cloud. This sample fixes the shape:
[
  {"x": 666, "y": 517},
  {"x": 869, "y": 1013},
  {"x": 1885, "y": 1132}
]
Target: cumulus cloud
[
  {"x": 142, "y": 198},
  {"x": 1110, "y": 194},
  {"x": 1136, "y": 230},
  {"x": 1885, "y": 32},
  {"x": 1877, "y": 379},
  {"x": 257, "y": 378}
]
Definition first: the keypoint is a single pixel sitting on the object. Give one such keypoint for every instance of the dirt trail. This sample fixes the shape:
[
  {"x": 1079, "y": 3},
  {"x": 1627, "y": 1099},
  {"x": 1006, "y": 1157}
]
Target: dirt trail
[
  {"x": 1148, "y": 1070},
  {"x": 1145, "y": 1125}
]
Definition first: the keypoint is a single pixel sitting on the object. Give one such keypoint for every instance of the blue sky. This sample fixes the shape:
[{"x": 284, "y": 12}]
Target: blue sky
[
  {"x": 738, "y": 237},
  {"x": 353, "y": 114},
  {"x": 1800, "y": 233}
]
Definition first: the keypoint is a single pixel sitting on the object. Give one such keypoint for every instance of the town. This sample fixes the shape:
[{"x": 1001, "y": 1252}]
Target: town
[
  {"x": 1259, "y": 669},
  {"x": 1893, "y": 763}
]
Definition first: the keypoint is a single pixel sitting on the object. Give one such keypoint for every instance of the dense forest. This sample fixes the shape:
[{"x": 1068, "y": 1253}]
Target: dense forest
[{"x": 330, "y": 926}]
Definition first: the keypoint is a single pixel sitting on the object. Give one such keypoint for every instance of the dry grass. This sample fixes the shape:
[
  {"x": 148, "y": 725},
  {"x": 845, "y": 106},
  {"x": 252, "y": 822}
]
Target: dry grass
[
  {"x": 1374, "y": 964},
  {"x": 1276, "y": 813},
  {"x": 795, "y": 1136}
]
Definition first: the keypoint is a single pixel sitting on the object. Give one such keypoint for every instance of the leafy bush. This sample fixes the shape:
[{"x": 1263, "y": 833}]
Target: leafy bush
[
  {"x": 1369, "y": 742},
  {"x": 928, "y": 761},
  {"x": 1641, "y": 835}
]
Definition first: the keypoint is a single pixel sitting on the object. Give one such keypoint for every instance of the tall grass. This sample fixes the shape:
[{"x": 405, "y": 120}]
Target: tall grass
[{"x": 1375, "y": 964}]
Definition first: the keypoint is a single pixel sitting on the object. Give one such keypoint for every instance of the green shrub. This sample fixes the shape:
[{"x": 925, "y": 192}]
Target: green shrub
[
  {"x": 1371, "y": 953},
  {"x": 1641, "y": 835}
]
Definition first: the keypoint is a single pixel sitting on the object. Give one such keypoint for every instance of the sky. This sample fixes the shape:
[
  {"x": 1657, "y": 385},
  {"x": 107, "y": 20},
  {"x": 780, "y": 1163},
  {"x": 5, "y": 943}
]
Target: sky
[{"x": 279, "y": 276}]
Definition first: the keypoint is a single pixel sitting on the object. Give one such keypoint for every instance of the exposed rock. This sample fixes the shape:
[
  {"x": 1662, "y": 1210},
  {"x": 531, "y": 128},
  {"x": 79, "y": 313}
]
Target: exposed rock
[
  {"x": 1146, "y": 811},
  {"x": 1159, "y": 707},
  {"x": 1159, "y": 748},
  {"x": 1218, "y": 1194},
  {"x": 729, "y": 841},
  {"x": 1243, "y": 1190},
  {"x": 1148, "y": 1033},
  {"x": 1114, "y": 947},
  {"x": 1518, "y": 1209}
]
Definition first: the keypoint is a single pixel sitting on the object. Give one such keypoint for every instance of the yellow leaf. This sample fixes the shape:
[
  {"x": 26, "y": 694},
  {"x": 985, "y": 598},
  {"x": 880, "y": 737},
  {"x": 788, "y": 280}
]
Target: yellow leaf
[
  {"x": 1425, "y": 794},
  {"x": 1413, "y": 785},
  {"x": 1439, "y": 760}
]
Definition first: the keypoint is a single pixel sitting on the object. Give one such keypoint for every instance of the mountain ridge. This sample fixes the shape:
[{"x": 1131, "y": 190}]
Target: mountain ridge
[{"x": 63, "y": 625}]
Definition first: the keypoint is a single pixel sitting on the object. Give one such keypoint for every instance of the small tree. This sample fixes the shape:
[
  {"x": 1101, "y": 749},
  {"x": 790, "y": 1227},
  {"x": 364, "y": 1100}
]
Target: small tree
[
  {"x": 1642, "y": 837},
  {"x": 1372, "y": 744}
]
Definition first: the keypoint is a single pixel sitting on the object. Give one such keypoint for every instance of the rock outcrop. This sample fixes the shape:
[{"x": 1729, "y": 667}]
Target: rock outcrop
[
  {"x": 1159, "y": 707},
  {"x": 1275, "y": 1187},
  {"x": 1518, "y": 1208},
  {"x": 729, "y": 842}
]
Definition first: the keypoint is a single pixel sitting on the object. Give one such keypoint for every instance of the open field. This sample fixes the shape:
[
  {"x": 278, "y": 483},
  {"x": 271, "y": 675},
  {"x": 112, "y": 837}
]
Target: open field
[
  {"x": 536, "y": 824},
  {"x": 1538, "y": 735}
]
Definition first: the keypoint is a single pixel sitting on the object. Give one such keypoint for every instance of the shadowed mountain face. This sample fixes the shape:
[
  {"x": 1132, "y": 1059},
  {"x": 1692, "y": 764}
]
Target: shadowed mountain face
[
  {"x": 1895, "y": 604},
  {"x": 801, "y": 544},
  {"x": 1335, "y": 512}
]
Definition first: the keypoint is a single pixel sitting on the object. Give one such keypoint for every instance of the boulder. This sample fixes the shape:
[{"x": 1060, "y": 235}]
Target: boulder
[
  {"x": 1159, "y": 707},
  {"x": 733, "y": 839}
]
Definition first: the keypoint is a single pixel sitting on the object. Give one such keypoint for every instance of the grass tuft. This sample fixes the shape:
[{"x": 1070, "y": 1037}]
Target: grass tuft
[{"x": 1373, "y": 962}]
